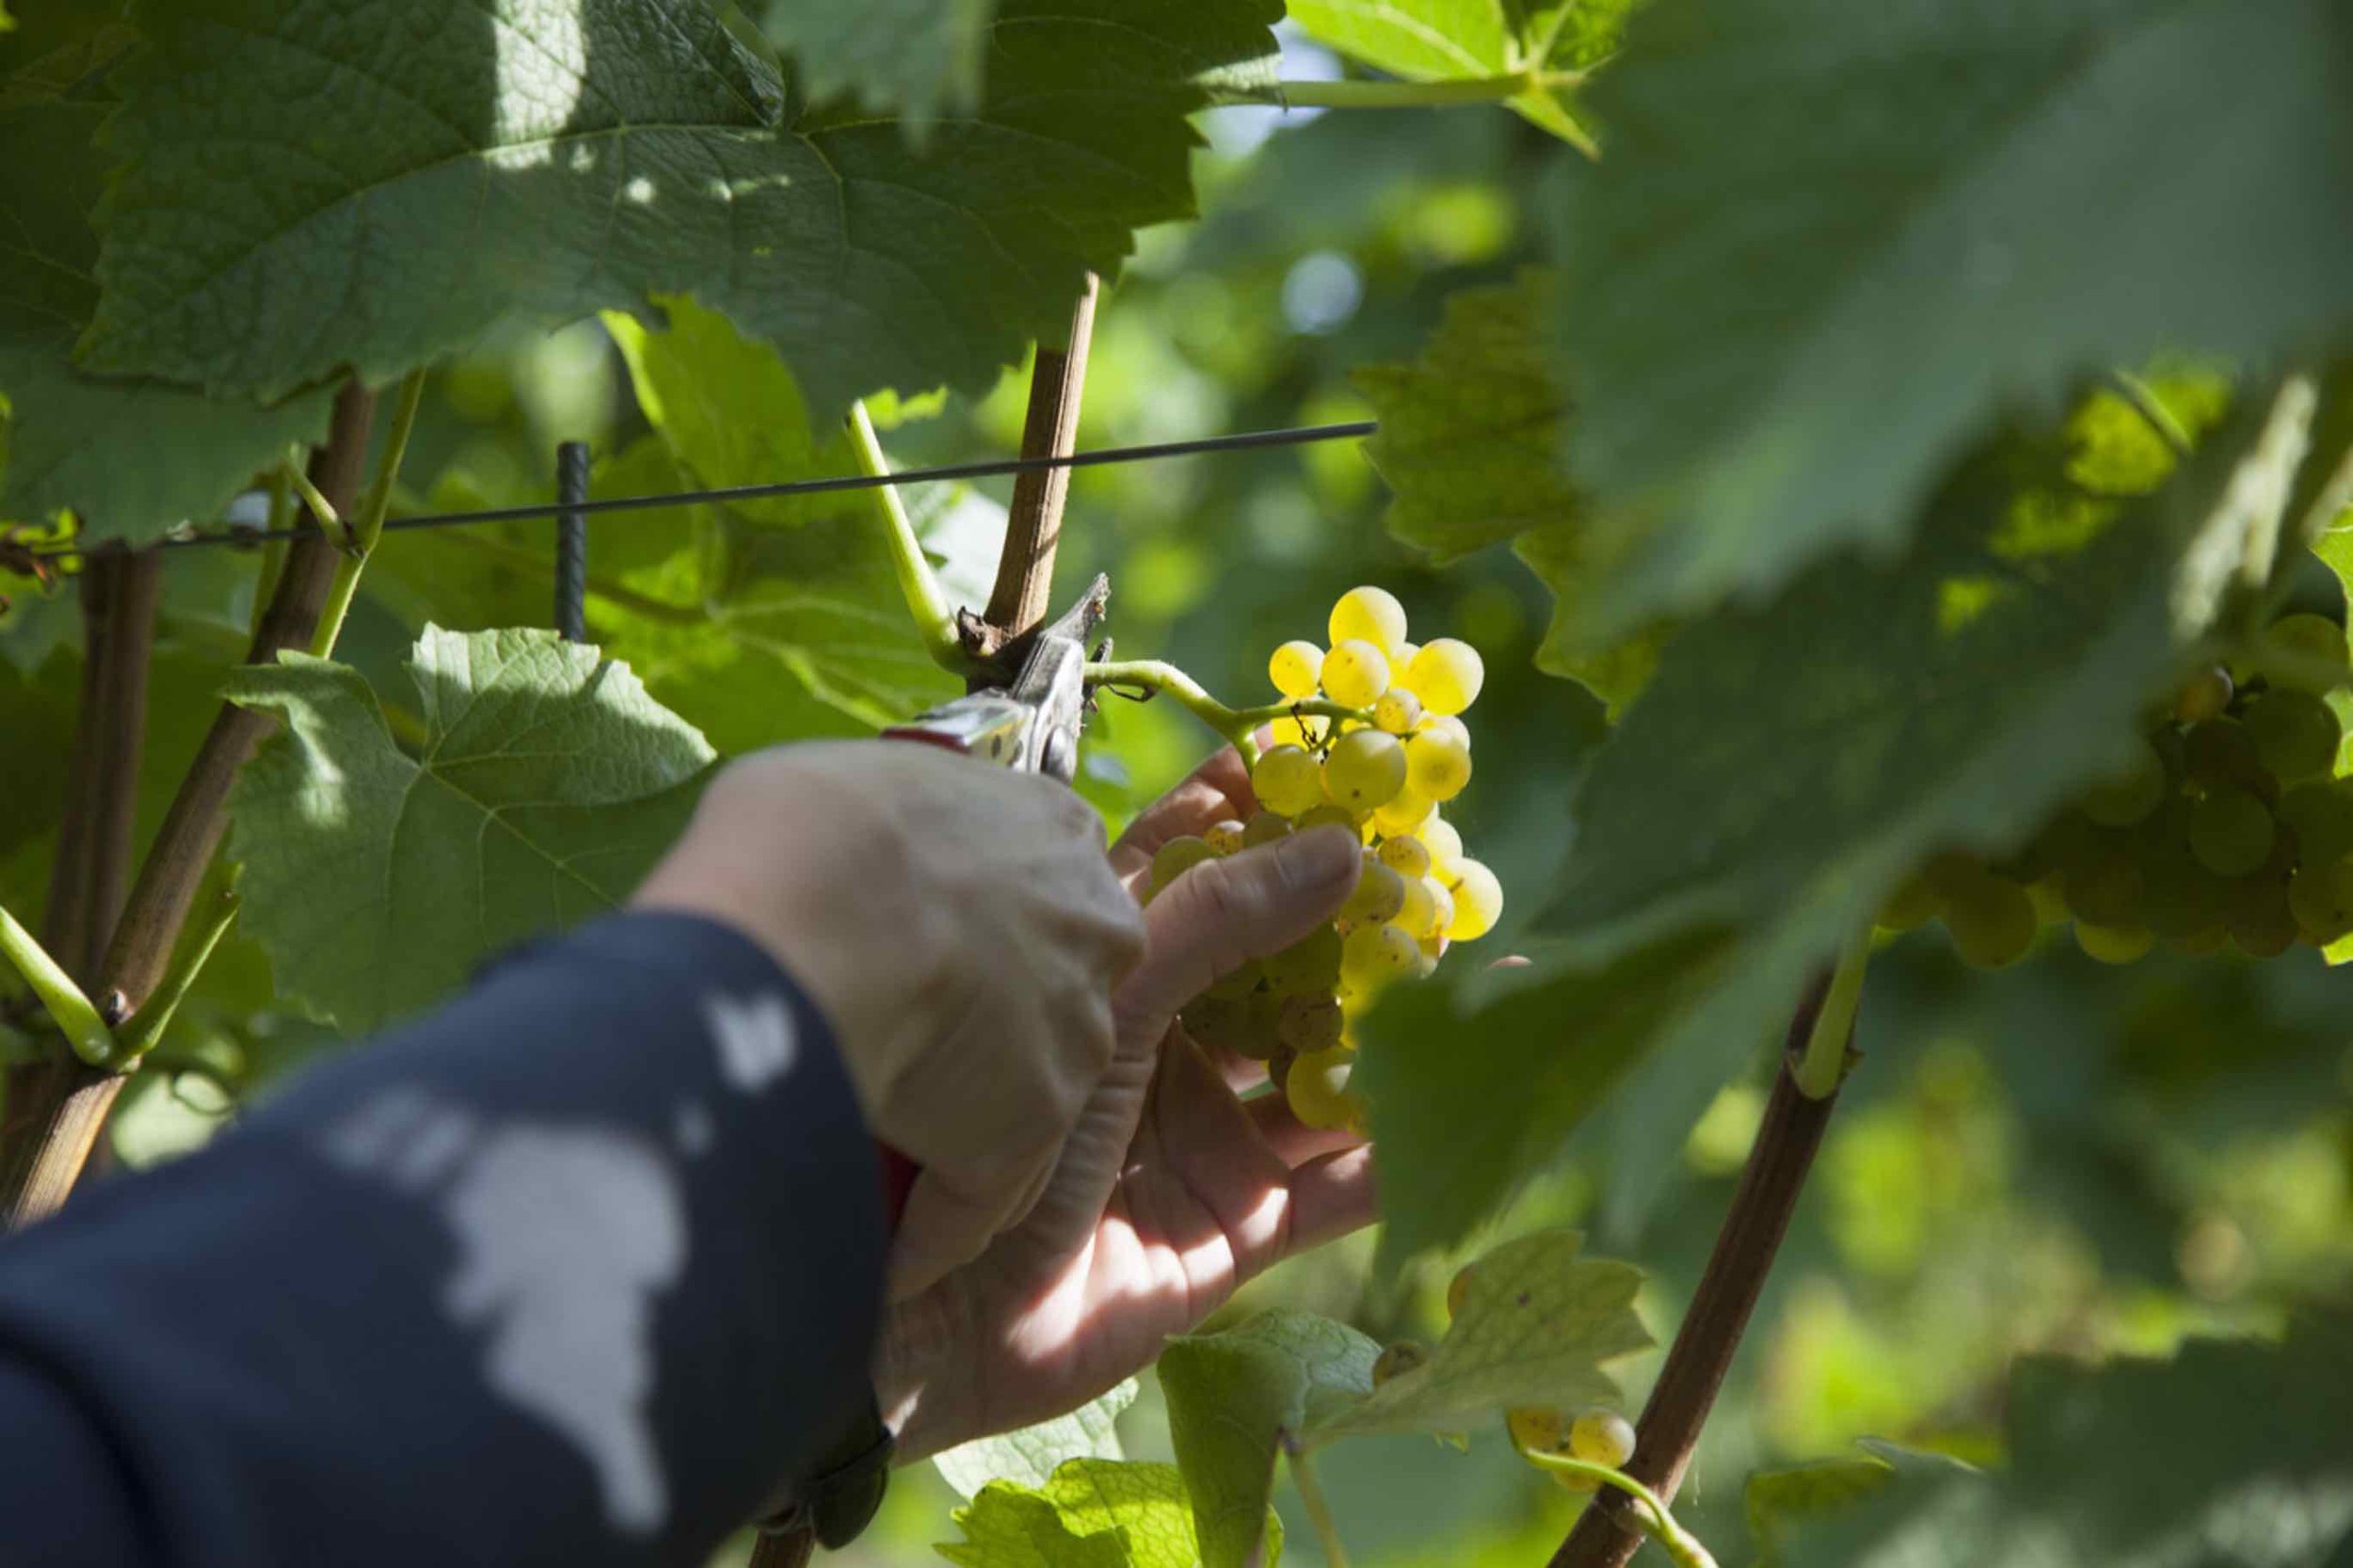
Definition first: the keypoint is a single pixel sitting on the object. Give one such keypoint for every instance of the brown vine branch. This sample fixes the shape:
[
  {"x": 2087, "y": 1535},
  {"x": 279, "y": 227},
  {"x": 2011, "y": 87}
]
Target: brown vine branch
[
  {"x": 1607, "y": 1533},
  {"x": 1024, "y": 593},
  {"x": 53, "y": 1127}
]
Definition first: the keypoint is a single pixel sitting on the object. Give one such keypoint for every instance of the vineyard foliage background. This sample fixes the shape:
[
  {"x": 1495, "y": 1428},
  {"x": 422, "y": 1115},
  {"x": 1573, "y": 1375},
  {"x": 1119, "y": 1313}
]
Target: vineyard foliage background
[{"x": 1774, "y": 455}]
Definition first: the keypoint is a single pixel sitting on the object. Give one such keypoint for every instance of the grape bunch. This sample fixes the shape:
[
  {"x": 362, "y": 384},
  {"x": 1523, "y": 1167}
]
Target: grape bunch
[
  {"x": 2229, "y": 825},
  {"x": 1383, "y": 776}
]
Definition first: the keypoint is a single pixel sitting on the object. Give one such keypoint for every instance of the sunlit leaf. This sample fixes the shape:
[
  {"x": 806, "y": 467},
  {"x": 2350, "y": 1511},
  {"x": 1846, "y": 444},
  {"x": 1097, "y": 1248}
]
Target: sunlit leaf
[
  {"x": 1031, "y": 1456},
  {"x": 1091, "y": 1514}
]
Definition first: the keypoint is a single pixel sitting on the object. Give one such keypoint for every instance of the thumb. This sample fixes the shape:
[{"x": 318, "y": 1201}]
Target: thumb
[{"x": 1222, "y": 914}]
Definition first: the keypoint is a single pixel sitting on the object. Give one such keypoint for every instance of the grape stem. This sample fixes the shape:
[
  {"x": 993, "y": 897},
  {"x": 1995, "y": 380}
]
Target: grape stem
[
  {"x": 1311, "y": 1497},
  {"x": 361, "y": 534},
  {"x": 1154, "y": 677},
  {"x": 84, "y": 1030},
  {"x": 1677, "y": 1542},
  {"x": 935, "y": 619},
  {"x": 1823, "y": 1067}
]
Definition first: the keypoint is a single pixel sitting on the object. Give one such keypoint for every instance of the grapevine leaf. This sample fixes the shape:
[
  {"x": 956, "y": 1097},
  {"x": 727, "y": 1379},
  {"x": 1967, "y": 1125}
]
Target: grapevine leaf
[
  {"x": 1834, "y": 235},
  {"x": 2231, "y": 1452},
  {"x": 1778, "y": 1501},
  {"x": 546, "y": 785},
  {"x": 1091, "y": 1514},
  {"x": 383, "y": 180},
  {"x": 1426, "y": 40},
  {"x": 1232, "y": 1396},
  {"x": 130, "y": 457},
  {"x": 1538, "y": 1323},
  {"x": 1028, "y": 1457},
  {"x": 1953, "y": 699},
  {"x": 917, "y": 58},
  {"x": 1470, "y": 440}
]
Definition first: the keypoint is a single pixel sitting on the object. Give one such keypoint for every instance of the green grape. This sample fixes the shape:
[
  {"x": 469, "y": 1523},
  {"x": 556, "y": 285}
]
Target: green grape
[
  {"x": 1365, "y": 770},
  {"x": 1396, "y": 1360},
  {"x": 1425, "y": 962},
  {"x": 1264, "y": 828},
  {"x": 1288, "y": 780},
  {"x": 1397, "y": 712},
  {"x": 2200, "y": 943},
  {"x": 1246, "y": 1026},
  {"x": 1311, "y": 1021},
  {"x": 1240, "y": 982},
  {"x": 2317, "y": 648},
  {"x": 1408, "y": 858},
  {"x": 1296, "y": 668},
  {"x": 2320, "y": 813},
  {"x": 2220, "y": 754},
  {"x": 2207, "y": 696},
  {"x": 1602, "y": 1437},
  {"x": 1372, "y": 955},
  {"x": 1177, "y": 856},
  {"x": 1368, "y": 615},
  {"x": 2115, "y": 944},
  {"x": 2104, "y": 885},
  {"x": 1406, "y": 810},
  {"x": 1478, "y": 902},
  {"x": 1992, "y": 922},
  {"x": 1355, "y": 673},
  {"x": 1436, "y": 765},
  {"x": 1317, "y": 1090},
  {"x": 2262, "y": 918},
  {"x": 1914, "y": 903},
  {"x": 1538, "y": 1429},
  {"x": 1444, "y": 842},
  {"x": 1224, "y": 838},
  {"x": 2177, "y": 895},
  {"x": 1446, "y": 675},
  {"x": 2231, "y": 832},
  {"x": 1418, "y": 911},
  {"x": 2296, "y": 733},
  {"x": 2321, "y": 899},
  {"x": 1310, "y": 964},
  {"x": 1329, "y": 814},
  {"x": 1379, "y": 894},
  {"x": 2132, "y": 794}
]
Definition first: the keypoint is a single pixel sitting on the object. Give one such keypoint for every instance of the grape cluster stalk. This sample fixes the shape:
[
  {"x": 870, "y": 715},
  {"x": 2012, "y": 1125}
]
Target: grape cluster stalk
[
  {"x": 1384, "y": 780},
  {"x": 2229, "y": 826}
]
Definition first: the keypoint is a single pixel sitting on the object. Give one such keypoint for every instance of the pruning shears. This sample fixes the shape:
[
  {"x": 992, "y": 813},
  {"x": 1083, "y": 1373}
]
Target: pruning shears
[{"x": 1030, "y": 723}]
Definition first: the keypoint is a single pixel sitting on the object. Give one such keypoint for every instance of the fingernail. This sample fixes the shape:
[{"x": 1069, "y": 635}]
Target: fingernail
[{"x": 1319, "y": 857}]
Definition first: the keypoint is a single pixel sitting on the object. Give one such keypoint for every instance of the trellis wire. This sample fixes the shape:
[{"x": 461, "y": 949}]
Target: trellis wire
[{"x": 990, "y": 469}]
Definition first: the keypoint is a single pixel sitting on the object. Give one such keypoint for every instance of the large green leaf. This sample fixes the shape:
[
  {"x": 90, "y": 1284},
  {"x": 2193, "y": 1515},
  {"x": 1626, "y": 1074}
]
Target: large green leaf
[
  {"x": 1834, "y": 235},
  {"x": 1878, "y": 712},
  {"x": 546, "y": 785},
  {"x": 1427, "y": 40},
  {"x": 2233, "y": 1452},
  {"x": 381, "y": 180},
  {"x": 1031, "y": 1456},
  {"x": 1539, "y": 1323},
  {"x": 1092, "y": 1513},
  {"x": 1470, "y": 440},
  {"x": 130, "y": 457}
]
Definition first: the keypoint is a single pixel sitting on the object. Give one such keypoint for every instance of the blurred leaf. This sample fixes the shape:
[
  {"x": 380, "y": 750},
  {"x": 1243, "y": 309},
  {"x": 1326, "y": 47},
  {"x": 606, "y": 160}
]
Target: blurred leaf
[
  {"x": 549, "y": 785},
  {"x": 129, "y": 457},
  {"x": 1093, "y": 1513},
  {"x": 1779, "y": 1500},
  {"x": 1953, "y": 700},
  {"x": 1470, "y": 439},
  {"x": 2233, "y": 1452},
  {"x": 1832, "y": 236},
  {"x": 1031, "y": 1456},
  {"x": 1231, "y": 1396},
  {"x": 426, "y": 170},
  {"x": 1425, "y": 40}
]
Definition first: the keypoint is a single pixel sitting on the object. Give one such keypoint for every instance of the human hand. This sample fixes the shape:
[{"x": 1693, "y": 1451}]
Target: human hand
[
  {"x": 1172, "y": 1190},
  {"x": 961, "y": 931}
]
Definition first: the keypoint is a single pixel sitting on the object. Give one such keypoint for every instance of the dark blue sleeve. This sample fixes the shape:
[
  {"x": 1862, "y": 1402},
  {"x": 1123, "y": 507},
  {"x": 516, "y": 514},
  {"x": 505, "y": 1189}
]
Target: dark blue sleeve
[{"x": 572, "y": 1273}]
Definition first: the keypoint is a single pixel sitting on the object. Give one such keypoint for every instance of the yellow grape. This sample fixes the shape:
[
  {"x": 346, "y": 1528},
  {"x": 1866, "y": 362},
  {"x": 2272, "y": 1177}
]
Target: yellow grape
[
  {"x": 1402, "y": 654},
  {"x": 1406, "y": 856},
  {"x": 1286, "y": 780},
  {"x": 1602, "y": 1437},
  {"x": 1305, "y": 733},
  {"x": 1435, "y": 945},
  {"x": 1224, "y": 838},
  {"x": 1372, "y": 955},
  {"x": 1296, "y": 668},
  {"x": 1177, "y": 856},
  {"x": 1405, "y": 811},
  {"x": 1329, "y": 814},
  {"x": 1397, "y": 712},
  {"x": 2115, "y": 944},
  {"x": 1264, "y": 828},
  {"x": 1478, "y": 902},
  {"x": 1316, "y": 1088},
  {"x": 1538, "y": 1429},
  {"x": 1369, "y": 615},
  {"x": 1446, "y": 675},
  {"x": 1379, "y": 894},
  {"x": 1444, "y": 841},
  {"x": 1442, "y": 901},
  {"x": 1417, "y": 912},
  {"x": 1310, "y": 1022},
  {"x": 1436, "y": 765},
  {"x": 1365, "y": 770},
  {"x": 1355, "y": 673}
]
